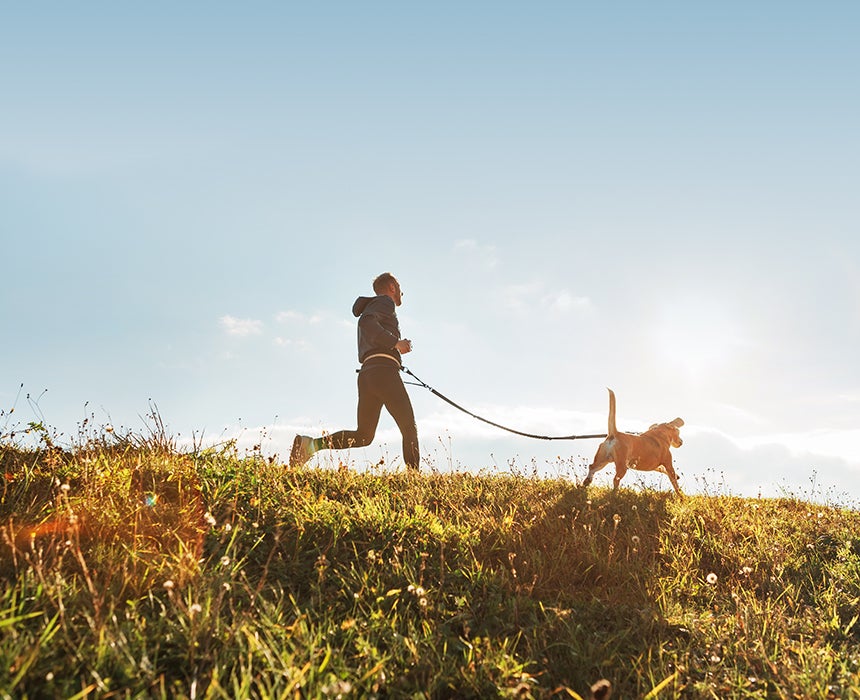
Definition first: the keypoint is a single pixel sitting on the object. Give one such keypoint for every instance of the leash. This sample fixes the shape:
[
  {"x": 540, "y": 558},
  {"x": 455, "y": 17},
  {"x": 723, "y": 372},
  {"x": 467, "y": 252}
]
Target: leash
[{"x": 489, "y": 422}]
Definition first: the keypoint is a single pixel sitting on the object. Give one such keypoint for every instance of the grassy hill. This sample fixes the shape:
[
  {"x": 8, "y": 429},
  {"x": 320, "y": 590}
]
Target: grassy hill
[{"x": 130, "y": 569}]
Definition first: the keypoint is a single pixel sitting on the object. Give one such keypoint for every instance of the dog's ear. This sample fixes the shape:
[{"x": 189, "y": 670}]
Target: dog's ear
[{"x": 678, "y": 422}]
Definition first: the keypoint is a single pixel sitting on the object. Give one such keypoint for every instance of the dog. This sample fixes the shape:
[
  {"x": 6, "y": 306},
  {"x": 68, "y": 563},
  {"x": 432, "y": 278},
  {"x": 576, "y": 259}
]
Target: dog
[{"x": 646, "y": 452}]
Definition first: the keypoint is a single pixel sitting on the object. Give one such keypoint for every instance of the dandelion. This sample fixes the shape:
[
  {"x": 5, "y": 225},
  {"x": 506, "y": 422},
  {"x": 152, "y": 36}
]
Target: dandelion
[
  {"x": 195, "y": 608},
  {"x": 635, "y": 540},
  {"x": 168, "y": 584},
  {"x": 49, "y": 676},
  {"x": 65, "y": 488},
  {"x": 747, "y": 570},
  {"x": 422, "y": 602},
  {"x": 227, "y": 527},
  {"x": 420, "y": 592},
  {"x": 226, "y": 586},
  {"x": 225, "y": 561},
  {"x": 711, "y": 579},
  {"x": 209, "y": 518}
]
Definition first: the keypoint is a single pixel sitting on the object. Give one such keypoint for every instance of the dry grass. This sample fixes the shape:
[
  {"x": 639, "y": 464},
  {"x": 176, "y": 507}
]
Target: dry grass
[{"x": 130, "y": 569}]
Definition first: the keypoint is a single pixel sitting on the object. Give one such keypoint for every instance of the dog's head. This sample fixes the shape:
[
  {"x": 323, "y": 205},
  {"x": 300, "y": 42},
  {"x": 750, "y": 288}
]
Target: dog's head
[{"x": 671, "y": 429}]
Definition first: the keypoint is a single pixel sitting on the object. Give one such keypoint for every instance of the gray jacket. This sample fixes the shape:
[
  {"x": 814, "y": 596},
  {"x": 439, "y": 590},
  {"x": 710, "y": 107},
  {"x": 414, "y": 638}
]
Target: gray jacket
[{"x": 378, "y": 329}]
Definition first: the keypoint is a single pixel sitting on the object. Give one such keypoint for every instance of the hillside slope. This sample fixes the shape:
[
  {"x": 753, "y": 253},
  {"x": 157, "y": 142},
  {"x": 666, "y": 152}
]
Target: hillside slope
[{"x": 132, "y": 570}]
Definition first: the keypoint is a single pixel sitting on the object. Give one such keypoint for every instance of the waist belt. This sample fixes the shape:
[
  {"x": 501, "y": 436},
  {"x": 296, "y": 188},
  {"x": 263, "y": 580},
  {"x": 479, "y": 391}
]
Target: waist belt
[{"x": 380, "y": 354}]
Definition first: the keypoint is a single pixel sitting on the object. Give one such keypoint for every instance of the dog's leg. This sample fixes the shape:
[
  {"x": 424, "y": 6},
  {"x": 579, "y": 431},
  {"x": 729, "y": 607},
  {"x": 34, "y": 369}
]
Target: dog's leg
[
  {"x": 669, "y": 471},
  {"x": 603, "y": 457},
  {"x": 592, "y": 470},
  {"x": 620, "y": 471}
]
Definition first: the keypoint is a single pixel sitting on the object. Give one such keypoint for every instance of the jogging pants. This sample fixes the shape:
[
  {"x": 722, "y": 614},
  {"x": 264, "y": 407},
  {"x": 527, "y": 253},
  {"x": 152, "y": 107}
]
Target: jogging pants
[{"x": 380, "y": 385}]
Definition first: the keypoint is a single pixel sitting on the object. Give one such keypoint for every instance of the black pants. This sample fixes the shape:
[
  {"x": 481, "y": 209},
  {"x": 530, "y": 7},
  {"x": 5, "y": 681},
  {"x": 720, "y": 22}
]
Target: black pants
[{"x": 379, "y": 384}]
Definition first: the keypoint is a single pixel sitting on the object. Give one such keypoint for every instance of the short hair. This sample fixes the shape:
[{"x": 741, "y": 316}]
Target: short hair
[{"x": 380, "y": 284}]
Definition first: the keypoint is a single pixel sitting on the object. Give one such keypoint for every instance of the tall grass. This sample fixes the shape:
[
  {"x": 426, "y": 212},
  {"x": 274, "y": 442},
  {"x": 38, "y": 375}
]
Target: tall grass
[{"x": 132, "y": 569}]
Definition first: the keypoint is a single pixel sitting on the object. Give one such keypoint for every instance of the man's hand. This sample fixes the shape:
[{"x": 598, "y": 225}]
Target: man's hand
[{"x": 403, "y": 346}]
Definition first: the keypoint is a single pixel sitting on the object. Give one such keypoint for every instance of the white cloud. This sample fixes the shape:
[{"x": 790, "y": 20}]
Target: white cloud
[
  {"x": 487, "y": 253},
  {"x": 298, "y": 344},
  {"x": 531, "y": 296},
  {"x": 520, "y": 297},
  {"x": 298, "y": 317},
  {"x": 563, "y": 301},
  {"x": 241, "y": 326}
]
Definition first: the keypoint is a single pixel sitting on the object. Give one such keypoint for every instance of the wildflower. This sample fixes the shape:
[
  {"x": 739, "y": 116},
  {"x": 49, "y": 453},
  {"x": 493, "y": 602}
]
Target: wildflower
[
  {"x": 195, "y": 608},
  {"x": 746, "y": 571},
  {"x": 422, "y": 602},
  {"x": 209, "y": 518},
  {"x": 168, "y": 584},
  {"x": 338, "y": 689},
  {"x": 616, "y": 519},
  {"x": 108, "y": 428},
  {"x": 712, "y": 578},
  {"x": 49, "y": 676},
  {"x": 227, "y": 527},
  {"x": 635, "y": 540},
  {"x": 226, "y": 586},
  {"x": 225, "y": 561},
  {"x": 65, "y": 488},
  {"x": 420, "y": 592}
]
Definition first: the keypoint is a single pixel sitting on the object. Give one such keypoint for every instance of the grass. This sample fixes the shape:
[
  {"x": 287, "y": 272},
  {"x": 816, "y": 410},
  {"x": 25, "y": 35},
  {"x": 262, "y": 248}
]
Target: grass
[{"x": 132, "y": 569}]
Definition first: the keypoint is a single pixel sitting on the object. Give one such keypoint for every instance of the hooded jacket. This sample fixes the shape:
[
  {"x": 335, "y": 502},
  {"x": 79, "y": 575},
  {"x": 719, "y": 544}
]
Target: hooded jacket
[{"x": 378, "y": 329}]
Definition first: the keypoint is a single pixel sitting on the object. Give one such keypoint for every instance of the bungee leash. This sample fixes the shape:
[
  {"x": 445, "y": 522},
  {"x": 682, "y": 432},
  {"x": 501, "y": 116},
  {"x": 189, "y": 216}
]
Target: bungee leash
[{"x": 489, "y": 422}]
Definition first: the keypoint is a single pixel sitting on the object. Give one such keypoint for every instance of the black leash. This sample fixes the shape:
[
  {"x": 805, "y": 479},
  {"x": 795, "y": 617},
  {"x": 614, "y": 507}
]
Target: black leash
[{"x": 496, "y": 425}]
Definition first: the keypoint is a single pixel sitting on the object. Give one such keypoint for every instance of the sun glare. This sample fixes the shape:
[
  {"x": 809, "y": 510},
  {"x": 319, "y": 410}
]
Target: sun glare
[{"x": 697, "y": 337}]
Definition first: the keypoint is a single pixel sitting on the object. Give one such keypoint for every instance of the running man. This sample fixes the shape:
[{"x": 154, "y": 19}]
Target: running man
[{"x": 379, "y": 384}]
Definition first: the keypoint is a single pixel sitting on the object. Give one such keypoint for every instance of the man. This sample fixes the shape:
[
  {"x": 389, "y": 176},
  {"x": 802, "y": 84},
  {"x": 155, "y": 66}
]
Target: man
[{"x": 379, "y": 384}]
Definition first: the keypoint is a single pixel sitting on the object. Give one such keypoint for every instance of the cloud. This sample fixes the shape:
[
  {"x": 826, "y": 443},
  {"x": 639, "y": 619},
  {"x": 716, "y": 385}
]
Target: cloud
[
  {"x": 487, "y": 253},
  {"x": 529, "y": 297},
  {"x": 563, "y": 301},
  {"x": 241, "y": 327},
  {"x": 298, "y": 344},
  {"x": 298, "y": 317}
]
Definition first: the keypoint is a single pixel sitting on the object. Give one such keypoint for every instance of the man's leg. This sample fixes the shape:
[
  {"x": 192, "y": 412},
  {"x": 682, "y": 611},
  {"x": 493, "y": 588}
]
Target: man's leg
[
  {"x": 369, "y": 409},
  {"x": 397, "y": 403}
]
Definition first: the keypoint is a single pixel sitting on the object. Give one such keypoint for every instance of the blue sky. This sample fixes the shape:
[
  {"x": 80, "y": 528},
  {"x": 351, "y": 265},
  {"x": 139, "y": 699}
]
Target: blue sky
[{"x": 654, "y": 197}]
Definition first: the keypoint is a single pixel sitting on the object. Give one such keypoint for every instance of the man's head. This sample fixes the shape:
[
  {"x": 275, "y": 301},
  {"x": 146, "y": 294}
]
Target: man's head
[{"x": 387, "y": 284}]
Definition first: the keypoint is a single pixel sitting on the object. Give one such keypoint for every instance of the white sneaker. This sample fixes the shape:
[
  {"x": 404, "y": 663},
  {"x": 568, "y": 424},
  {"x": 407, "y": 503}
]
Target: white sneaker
[{"x": 302, "y": 450}]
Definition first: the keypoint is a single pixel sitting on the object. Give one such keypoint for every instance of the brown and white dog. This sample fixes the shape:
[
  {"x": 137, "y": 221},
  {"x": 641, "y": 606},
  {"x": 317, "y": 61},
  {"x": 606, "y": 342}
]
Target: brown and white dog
[{"x": 646, "y": 452}]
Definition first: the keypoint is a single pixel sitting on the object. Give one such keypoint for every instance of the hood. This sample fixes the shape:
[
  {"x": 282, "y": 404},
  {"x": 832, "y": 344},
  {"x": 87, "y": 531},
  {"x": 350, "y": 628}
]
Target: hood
[{"x": 360, "y": 305}]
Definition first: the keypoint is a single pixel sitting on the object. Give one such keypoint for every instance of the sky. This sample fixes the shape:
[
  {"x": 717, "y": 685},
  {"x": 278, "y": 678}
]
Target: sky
[{"x": 658, "y": 198}]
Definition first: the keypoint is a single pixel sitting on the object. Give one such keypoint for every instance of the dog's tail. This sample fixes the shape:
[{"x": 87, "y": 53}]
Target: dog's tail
[{"x": 612, "y": 429}]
